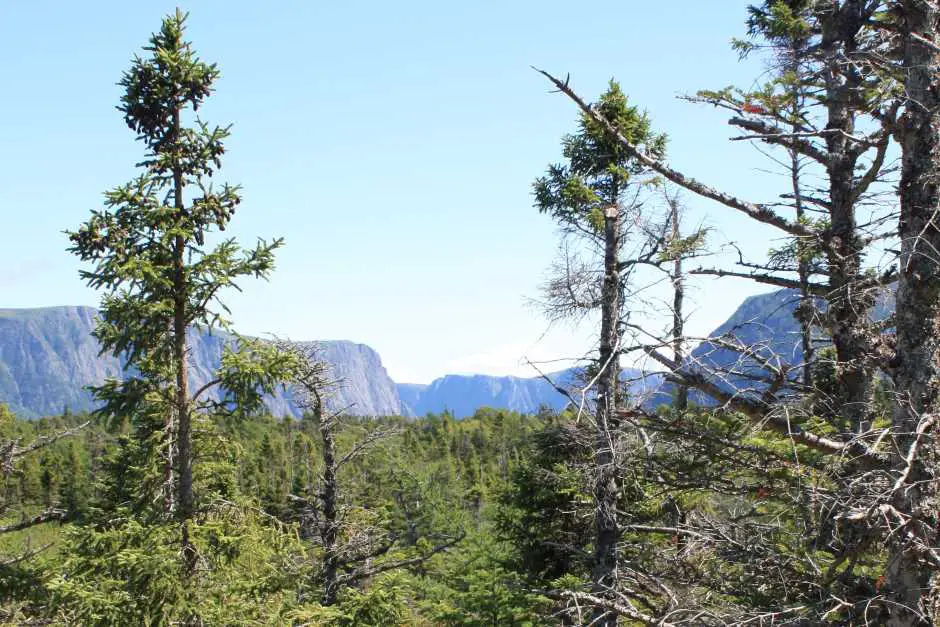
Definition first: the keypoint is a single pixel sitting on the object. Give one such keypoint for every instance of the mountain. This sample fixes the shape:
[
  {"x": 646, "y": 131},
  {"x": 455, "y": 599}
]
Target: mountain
[
  {"x": 365, "y": 388},
  {"x": 463, "y": 394},
  {"x": 48, "y": 356},
  {"x": 766, "y": 325}
]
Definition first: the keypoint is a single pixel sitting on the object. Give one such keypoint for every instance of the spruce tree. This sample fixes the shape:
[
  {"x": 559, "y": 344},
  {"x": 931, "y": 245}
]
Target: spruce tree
[{"x": 149, "y": 254}]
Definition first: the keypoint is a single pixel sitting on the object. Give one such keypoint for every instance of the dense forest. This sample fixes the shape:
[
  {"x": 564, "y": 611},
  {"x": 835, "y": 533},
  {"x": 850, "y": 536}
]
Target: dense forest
[{"x": 791, "y": 481}]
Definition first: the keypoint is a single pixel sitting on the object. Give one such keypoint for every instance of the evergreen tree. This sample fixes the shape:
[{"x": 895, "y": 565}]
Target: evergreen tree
[
  {"x": 594, "y": 195},
  {"x": 911, "y": 585},
  {"x": 149, "y": 254}
]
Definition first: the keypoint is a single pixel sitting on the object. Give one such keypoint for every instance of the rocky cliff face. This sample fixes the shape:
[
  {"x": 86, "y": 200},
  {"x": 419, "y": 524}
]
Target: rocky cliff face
[
  {"x": 48, "y": 356},
  {"x": 365, "y": 388}
]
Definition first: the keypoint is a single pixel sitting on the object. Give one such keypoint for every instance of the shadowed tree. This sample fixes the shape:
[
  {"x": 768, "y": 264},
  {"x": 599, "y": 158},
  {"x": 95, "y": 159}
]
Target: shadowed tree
[
  {"x": 353, "y": 551},
  {"x": 911, "y": 506}
]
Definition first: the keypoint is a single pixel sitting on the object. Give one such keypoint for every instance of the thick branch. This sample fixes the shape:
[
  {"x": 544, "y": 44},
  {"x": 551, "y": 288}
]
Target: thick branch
[
  {"x": 755, "y": 211},
  {"x": 48, "y": 515},
  {"x": 768, "y": 279},
  {"x": 871, "y": 175}
]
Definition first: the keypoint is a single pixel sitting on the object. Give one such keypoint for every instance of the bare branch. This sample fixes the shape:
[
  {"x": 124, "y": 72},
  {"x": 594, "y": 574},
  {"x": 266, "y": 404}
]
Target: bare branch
[
  {"x": 49, "y": 515},
  {"x": 768, "y": 279}
]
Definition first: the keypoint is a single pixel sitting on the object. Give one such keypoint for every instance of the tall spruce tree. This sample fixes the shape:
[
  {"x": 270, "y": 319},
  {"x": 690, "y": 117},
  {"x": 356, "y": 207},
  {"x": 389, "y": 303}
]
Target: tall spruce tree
[{"x": 161, "y": 280}]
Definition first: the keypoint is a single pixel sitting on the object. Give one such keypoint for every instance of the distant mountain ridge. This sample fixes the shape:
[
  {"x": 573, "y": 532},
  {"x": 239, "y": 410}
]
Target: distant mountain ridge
[
  {"x": 462, "y": 394},
  {"x": 767, "y": 321},
  {"x": 48, "y": 356}
]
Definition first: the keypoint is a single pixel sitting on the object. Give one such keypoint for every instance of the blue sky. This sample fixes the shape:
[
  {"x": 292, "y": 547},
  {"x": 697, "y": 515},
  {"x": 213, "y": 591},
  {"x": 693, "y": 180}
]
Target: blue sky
[{"x": 393, "y": 145}]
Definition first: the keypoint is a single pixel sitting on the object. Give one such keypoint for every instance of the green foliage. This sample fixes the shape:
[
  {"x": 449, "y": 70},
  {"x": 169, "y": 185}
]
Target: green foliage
[
  {"x": 780, "y": 19},
  {"x": 42, "y": 478},
  {"x": 147, "y": 246},
  {"x": 126, "y": 572},
  {"x": 437, "y": 477},
  {"x": 249, "y": 371},
  {"x": 683, "y": 247},
  {"x": 598, "y": 171},
  {"x": 481, "y": 590},
  {"x": 515, "y": 484},
  {"x": 548, "y": 497},
  {"x": 383, "y": 604}
]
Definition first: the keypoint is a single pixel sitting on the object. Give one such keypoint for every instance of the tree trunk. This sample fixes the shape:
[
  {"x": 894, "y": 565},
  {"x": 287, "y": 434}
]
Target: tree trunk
[
  {"x": 678, "y": 321},
  {"x": 848, "y": 304},
  {"x": 605, "y": 570},
  {"x": 184, "y": 425},
  {"x": 807, "y": 305},
  {"x": 328, "y": 498},
  {"x": 917, "y": 372}
]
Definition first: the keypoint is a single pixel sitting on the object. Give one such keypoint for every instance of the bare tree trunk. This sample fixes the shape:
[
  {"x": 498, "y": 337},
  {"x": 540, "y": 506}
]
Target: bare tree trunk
[
  {"x": 807, "y": 305},
  {"x": 605, "y": 572},
  {"x": 328, "y": 497},
  {"x": 678, "y": 321},
  {"x": 350, "y": 563},
  {"x": 848, "y": 305},
  {"x": 184, "y": 426},
  {"x": 917, "y": 372}
]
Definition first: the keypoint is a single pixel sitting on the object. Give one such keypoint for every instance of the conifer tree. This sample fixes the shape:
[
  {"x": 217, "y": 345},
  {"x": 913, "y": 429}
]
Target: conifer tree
[
  {"x": 149, "y": 255},
  {"x": 354, "y": 549},
  {"x": 911, "y": 586},
  {"x": 593, "y": 195}
]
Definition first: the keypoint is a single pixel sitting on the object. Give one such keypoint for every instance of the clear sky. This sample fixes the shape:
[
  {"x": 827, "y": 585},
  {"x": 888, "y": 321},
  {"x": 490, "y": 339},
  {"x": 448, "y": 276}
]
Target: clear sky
[{"x": 392, "y": 144}]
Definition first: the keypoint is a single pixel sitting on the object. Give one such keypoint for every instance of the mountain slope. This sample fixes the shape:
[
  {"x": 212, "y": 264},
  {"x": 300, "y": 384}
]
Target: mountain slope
[
  {"x": 47, "y": 356},
  {"x": 767, "y": 320},
  {"x": 410, "y": 396}
]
